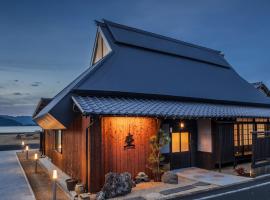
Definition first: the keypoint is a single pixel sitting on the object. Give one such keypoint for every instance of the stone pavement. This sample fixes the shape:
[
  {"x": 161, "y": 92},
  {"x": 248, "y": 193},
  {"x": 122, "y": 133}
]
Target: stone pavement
[
  {"x": 208, "y": 176},
  {"x": 13, "y": 183}
]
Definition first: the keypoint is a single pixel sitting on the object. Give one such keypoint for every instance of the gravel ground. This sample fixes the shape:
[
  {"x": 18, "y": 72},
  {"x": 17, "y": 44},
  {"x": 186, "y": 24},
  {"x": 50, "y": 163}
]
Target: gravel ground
[{"x": 40, "y": 181}]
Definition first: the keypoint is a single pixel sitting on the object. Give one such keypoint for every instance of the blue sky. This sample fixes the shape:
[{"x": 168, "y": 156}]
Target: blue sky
[{"x": 44, "y": 45}]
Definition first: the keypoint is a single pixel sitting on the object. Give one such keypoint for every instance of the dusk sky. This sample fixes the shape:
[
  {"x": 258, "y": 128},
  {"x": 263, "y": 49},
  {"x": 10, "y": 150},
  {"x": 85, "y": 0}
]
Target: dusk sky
[{"x": 44, "y": 45}]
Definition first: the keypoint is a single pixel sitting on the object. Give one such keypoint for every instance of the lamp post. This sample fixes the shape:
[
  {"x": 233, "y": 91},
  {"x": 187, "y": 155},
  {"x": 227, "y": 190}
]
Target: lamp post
[
  {"x": 22, "y": 146},
  {"x": 36, "y": 159},
  {"x": 27, "y": 149},
  {"x": 54, "y": 177}
]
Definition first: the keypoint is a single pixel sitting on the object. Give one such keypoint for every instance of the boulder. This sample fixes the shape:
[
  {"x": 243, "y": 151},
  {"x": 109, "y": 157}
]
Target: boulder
[
  {"x": 100, "y": 196},
  {"x": 115, "y": 185},
  {"x": 169, "y": 177},
  {"x": 141, "y": 177}
]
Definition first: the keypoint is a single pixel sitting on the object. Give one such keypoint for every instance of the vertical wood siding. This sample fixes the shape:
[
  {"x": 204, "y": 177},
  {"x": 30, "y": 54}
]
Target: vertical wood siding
[
  {"x": 114, "y": 132},
  {"x": 73, "y": 158}
]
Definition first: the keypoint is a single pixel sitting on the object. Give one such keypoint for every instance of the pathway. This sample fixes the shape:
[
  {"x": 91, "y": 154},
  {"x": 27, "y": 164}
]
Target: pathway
[{"x": 13, "y": 183}]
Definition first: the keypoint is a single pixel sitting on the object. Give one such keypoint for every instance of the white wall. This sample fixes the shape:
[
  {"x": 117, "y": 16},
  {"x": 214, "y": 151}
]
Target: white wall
[{"x": 204, "y": 135}]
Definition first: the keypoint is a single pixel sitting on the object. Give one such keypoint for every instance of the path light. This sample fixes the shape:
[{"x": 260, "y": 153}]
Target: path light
[
  {"x": 22, "y": 146},
  {"x": 36, "y": 159},
  {"x": 27, "y": 149},
  {"x": 54, "y": 177}
]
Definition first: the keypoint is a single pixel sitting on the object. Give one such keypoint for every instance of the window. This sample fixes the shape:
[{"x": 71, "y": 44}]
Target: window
[
  {"x": 261, "y": 127},
  {"x": 101, "y": 49},
  {"x": 243, "y": 134},
  {"x": 180, "y": 142},
  {"x": 58, "y": 141},
  {"x": 244, "y": 119},
  {"x": 261, "y": 120}
]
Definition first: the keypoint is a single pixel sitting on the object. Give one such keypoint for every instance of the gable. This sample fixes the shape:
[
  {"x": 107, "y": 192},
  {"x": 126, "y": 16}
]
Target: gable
[{"x": 101, "y": 47}]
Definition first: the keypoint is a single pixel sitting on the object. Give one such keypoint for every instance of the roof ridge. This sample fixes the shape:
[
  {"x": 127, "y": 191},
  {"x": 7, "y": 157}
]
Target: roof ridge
[{"x": 140, "y": 31}]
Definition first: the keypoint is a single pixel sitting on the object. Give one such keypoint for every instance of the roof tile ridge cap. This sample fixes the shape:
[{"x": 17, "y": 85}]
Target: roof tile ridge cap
[{"x": 137, "y": 30}]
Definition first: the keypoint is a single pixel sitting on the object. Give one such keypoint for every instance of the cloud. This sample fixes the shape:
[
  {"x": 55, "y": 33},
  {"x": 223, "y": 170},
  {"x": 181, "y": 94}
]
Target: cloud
[
  {"x": 18, "y": 103},
  {"x": 21, "y": 94},
  {"x": 36, "y": 84},
  {"x": 17, "y": 93}
]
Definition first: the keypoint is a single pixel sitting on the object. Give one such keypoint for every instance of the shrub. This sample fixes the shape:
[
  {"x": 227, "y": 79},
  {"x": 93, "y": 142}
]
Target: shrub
[{"x": 155, "y": 158}]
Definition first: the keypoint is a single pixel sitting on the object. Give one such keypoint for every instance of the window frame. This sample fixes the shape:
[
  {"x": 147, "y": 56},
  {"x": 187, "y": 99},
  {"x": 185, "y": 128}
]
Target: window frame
[{"x": 180, "y": 142}]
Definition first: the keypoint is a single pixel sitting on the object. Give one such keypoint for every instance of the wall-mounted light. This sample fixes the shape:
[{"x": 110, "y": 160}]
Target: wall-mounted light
[{"x": 182, "y": 125}]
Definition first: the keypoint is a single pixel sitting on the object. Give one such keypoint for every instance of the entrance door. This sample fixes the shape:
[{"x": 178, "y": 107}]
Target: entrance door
[
  {"x": 180, "y": 150},
  {"x": 243, "y": 139}
]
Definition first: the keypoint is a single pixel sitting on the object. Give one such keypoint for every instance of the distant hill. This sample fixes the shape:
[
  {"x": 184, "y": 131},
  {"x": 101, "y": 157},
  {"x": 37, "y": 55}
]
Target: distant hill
[{"x": 6, "y": 120}]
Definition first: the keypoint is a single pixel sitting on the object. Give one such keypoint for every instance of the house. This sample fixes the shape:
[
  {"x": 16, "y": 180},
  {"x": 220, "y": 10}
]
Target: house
[
  {"x": 262, "y": 87},
  {"x": 139, "y": 82}
]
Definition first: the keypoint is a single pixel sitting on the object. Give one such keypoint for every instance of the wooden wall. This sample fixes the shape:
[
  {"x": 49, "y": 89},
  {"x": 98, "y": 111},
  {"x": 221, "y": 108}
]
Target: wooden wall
[
  {"x": 114, "y": 132},
  {"x": 73, "y": 158},
  {"x": 106, "y": 139}
]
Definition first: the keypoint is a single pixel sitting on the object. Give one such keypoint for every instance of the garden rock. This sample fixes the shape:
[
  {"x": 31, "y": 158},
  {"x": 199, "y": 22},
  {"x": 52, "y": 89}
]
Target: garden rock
[
  {"x": 169, "y": 177},
  {"x": 100, "y": 196},
  {"x": 141, "y": 177},
  {"x": 115, "y": 185}
]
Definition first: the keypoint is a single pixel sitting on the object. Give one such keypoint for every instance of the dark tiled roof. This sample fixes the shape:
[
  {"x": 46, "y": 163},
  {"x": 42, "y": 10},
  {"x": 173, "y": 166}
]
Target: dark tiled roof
[
  {"x": 136, "y": 70},
  {"x": 152, "y": 41},
  {"x": 262, "y": 87},
  {"x": 148, "y": 64},
  {"x": 41, "y": 104},
  {"x": 164, "y": 108}
]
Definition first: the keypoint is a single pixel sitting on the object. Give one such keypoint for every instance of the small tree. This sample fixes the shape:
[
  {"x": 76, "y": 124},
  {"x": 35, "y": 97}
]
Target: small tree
[{"x": 155, "y": 158}]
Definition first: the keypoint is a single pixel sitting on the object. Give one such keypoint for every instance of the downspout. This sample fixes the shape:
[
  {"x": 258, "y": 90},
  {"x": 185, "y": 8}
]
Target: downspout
[{"x": 86, "y": 152}]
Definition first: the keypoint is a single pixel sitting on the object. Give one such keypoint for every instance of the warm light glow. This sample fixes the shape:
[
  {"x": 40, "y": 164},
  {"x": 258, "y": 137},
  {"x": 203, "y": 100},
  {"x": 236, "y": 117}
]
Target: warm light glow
[
  {"x": 54, "y": 174},
  {"x": 180, "y": 142},
  {"x": 22, "y": 143},
  {"x": 175, "y": 142},
  {"x": 182, "y": 125},
  {"x": 36, "y": 156},
  {"x": 27, "y": 148},
  {"x": 184, "y": 142}
]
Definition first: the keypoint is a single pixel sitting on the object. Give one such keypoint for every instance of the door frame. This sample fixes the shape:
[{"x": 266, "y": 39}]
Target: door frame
[{"x": 184, "y": 158}]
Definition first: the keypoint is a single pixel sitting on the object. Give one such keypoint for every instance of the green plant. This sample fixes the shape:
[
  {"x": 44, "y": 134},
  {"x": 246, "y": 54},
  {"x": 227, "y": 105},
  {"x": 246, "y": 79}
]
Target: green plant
[{"x": 155, "y": 158}]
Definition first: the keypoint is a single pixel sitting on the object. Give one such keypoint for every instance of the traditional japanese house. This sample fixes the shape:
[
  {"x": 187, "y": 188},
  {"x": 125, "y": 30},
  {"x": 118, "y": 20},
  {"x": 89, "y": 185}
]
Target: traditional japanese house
[{"x": 137, "y": 83}]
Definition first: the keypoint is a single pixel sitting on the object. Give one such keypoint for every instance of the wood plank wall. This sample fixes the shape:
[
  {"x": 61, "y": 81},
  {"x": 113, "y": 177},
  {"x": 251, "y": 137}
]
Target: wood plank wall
[
  {"x": 114, "y": 132},
  {"x": 73, "y": 158}
]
